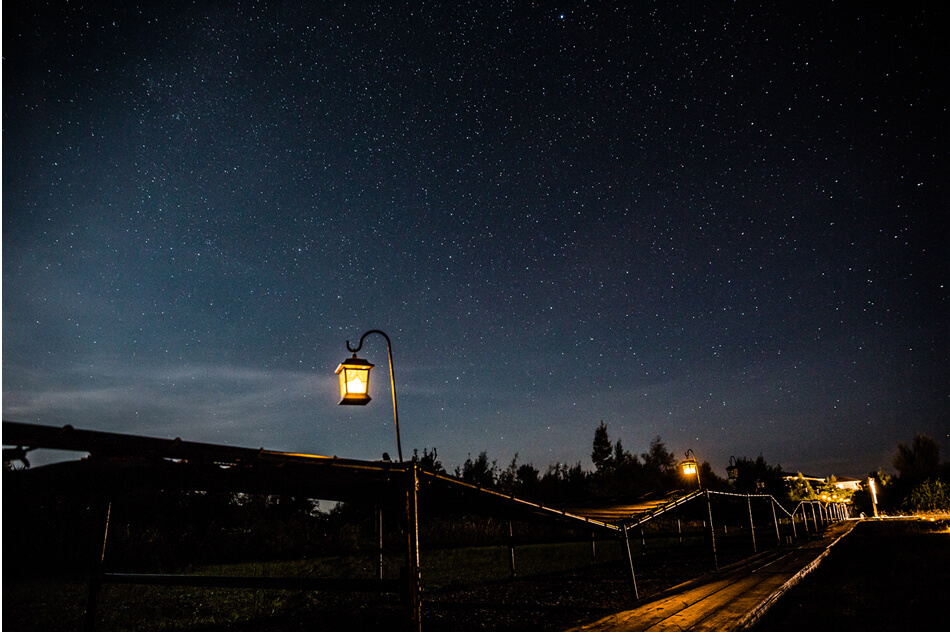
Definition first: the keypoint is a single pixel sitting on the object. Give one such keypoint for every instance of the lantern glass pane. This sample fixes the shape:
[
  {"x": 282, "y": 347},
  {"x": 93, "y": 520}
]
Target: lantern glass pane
[{"x": 357, "y": 381}]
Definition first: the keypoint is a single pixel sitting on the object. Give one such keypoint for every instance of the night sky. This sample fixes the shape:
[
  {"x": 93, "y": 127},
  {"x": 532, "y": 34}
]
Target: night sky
[{"x": 724, "y": 224}]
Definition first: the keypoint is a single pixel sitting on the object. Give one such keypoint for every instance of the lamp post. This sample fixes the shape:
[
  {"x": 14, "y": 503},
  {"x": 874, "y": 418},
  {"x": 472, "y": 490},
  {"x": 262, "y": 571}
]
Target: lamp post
[
  {"x": 691, "y": 467},
  {"x": 732, "y": 471},
  {"x": 354, "y": 380},
  {"x": 873, "y": 495}
]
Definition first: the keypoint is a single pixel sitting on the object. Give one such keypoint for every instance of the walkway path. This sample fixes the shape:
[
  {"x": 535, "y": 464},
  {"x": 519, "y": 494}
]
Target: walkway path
[{"x": 730, "y": 599}]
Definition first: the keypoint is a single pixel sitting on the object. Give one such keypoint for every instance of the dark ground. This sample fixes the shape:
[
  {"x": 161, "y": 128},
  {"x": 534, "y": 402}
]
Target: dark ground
[
  {"x": 891, "y": 575},
  {"x": 553, "y": 602}
]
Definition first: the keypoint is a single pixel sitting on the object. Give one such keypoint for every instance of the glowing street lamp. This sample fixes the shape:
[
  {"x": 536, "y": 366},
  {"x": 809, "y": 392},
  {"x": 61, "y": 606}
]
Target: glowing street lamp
[
  {"x": 873, "y": 495},
  {"x": 691, "y": 467},
  {"x": 354, "y": 380}
]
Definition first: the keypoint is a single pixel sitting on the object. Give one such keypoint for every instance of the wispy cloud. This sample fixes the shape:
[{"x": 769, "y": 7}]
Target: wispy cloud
[{"x": 207, "y": 402}]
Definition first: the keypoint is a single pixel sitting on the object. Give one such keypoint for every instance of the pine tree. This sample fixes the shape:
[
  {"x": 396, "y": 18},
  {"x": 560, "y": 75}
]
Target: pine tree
[{"x": 602, "y": 448}]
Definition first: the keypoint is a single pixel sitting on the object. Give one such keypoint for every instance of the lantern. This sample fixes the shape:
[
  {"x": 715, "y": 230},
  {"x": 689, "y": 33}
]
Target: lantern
[
  {"x": 732, "y": 471},
  {"x": 354, "y": 380},
  {"x": 689, "y": 467}
]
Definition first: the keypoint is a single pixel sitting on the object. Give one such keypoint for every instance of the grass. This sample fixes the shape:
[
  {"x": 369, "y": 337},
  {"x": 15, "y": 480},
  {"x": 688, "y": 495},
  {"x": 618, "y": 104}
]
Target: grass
[
  {"x": 45, "y": 604},
  {"x": 885, "y": 575}
]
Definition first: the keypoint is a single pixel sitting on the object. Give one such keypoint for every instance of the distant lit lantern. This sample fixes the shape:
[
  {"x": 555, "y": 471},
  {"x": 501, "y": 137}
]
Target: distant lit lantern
[
  {"x": 732, "y": 471},
  {"x": 354, "y": 380},
  {"x": 691, "y": 467}
]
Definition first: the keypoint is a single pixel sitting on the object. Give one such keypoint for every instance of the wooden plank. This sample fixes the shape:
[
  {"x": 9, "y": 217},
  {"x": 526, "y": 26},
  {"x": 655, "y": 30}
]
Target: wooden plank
[
  {"x": 699, "y": 610},
  {"x": 651, "y": 613},
  {"x": 725, "y": 601},
  {"x": 728, "y": 615}
]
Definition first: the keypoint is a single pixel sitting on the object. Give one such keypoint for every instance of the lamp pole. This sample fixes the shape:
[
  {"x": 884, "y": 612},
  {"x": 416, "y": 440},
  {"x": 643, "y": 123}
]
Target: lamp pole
[
  {"x": 392, "y": 380},
  {"x": 873, "y": 495}
]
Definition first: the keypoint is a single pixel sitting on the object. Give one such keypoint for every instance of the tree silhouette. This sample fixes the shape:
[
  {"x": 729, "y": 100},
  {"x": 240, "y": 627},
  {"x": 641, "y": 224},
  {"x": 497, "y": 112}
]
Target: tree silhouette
[
  {"x": 602, "y": 448},
  {"x": 800, "y": 490},
  {"x": 918, "y": 462},
  {"x": 479, "y": 471}
]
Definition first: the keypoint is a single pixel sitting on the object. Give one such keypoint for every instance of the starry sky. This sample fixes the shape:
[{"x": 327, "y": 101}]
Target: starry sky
[{"x": 720, "y": 223}]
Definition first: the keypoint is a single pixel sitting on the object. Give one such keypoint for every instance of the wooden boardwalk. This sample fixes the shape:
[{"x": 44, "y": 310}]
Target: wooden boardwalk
[{"x": 730, "y": 599}]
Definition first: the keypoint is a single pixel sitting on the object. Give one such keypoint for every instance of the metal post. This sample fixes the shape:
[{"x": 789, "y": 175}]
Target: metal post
[
  {"x": 412, "y": 514},
  {"x": 511, "y": 551},
  {"x": 814, "y": 516},
  {"x": 712, "y": 530},
  {"x": 379, "y": 530},
  {"x": 778, "y": 535},
  {"x": 873, "y": 488},
  {"x": 593, "y": 548},
  {"x": 95, "y": 575},
  {"x": 643, "y": 543},
  {"x": 748, "y": 499},
  {"x": 679, "y": 530},
  {"x": 633, "y": 577},
  {"x": 794, "y": 531}
]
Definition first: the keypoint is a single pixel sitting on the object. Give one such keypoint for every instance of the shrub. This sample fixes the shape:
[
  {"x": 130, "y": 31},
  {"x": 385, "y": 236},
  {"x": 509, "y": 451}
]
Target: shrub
[{"x": 928, "y": 496}]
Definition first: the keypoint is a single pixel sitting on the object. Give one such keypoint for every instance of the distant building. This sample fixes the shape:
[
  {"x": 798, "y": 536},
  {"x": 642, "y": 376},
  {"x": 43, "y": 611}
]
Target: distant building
[
  {"x": 849, "y": 483},
  {"x": 845, "y": 483}
]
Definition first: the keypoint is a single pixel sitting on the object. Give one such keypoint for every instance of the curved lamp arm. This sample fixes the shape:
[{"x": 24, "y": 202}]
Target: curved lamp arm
[
  {"x": 392, "y": 380},
  {"x": 689, "y": 452}
]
